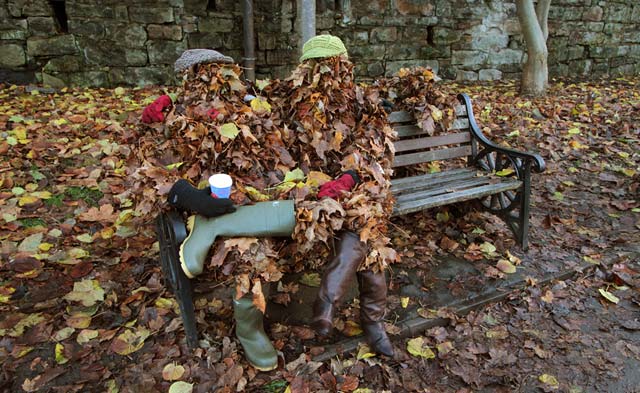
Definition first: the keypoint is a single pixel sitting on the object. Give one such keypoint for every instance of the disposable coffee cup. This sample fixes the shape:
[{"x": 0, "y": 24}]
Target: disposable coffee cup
[{"x": 220, "y": 185}]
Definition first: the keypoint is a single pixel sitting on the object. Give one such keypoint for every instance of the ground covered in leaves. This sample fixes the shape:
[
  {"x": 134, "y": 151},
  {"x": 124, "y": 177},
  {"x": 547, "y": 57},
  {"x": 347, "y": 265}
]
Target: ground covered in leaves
[{"x": 84, "y": 307}]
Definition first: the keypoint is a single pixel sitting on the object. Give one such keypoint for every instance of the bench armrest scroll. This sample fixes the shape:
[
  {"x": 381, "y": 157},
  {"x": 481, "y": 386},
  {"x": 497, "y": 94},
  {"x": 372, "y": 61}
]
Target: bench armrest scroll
[{"x": 538, "y": 164}]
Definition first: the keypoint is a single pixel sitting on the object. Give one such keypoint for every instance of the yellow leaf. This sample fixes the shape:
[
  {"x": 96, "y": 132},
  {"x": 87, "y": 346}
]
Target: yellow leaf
[
  {"x": 41, "y": 194},
  {"x": 229, "y": 130},
  {"x": 628, "y": 172},
  {"x": 505, "y": 266},
  {"x": 513, "y": 259},
  {"x": 550, "y": 380},
  {"x": 164, "y": 303},
  {"x": 256, "y": 195},
  {"x": 573, "y": 131},
  {"x": 623, "y": 154},
  {"x": 487, "y": 248},
  {"x": 310, "y": 279},
  {"x": 260, "y": 105},
  {"x": 45, "y": 246},
  {"x": 577, "y": 145},
  {"x": 86, "y": 335},
  {"x": 85, "y": 238},
  {"x": 404, "y": 301},
  {"x": 79, "y": 321},
  {"x": 87, "y": 292},
  {"x": 63, "y": 334},
  {"x": 129, "y": 341},
  {"x": 294, "y": 175},
  {"x": 27, "y": 200},
  {"x": 172, "y": 372},
  {"x": 60, "y": 359},
  {"x": 175, "y": 165},
  {"x": 181, "y": 387},
  {"x": 364, "y": 352},
  {"x": 609, "y": 296},
  {"x": 445, "y": 347},
  {"x": 316, "y": 179},
  {"x": 505, "y": 172},
  {"x": 416, "y": 347}
]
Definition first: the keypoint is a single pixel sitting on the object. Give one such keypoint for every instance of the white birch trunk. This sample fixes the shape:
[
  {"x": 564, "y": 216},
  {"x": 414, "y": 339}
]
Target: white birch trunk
[{"x": 535, "y": 74}]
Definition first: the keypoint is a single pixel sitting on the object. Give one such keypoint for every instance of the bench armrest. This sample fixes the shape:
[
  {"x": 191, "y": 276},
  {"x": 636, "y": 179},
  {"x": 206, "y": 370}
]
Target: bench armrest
[{"x": 537, "y": 162}]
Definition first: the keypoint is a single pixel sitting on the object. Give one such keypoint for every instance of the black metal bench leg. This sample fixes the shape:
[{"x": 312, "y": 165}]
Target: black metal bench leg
[
  {"x": 523, "y": 235},
  {"x": 171, "y": 231}
]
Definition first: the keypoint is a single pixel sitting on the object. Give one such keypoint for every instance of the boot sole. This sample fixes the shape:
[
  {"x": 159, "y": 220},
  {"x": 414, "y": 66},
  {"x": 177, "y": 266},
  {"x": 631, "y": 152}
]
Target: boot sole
[
  {"x": 264, "y": 368},
  {"x": 171, "y": 231},
  {"x": 183, "y": 262}
]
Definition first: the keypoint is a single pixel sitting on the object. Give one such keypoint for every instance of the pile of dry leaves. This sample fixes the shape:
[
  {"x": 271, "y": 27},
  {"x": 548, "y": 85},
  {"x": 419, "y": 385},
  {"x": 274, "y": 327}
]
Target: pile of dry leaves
[{"x": 282, "y": 140}]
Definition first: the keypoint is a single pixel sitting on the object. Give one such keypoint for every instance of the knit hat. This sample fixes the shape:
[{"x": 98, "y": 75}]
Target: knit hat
[
  {"x": 325, "y": 45},
  {"x": 200, "y": 56}
]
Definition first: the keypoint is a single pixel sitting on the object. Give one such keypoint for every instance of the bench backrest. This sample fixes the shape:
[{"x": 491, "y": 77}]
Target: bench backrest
[{"x": 416, "y": 146}]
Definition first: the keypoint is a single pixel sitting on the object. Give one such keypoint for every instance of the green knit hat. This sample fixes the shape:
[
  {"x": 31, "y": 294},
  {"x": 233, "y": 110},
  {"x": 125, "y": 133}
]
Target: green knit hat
[{"x": 325, "y": 45}]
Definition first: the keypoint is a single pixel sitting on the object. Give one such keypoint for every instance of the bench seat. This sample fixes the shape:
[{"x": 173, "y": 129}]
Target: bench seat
[{"x": 421, "y": 192}]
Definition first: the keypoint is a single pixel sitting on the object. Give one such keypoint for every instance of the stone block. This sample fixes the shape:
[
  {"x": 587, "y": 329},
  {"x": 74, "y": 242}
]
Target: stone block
[
  {"x": 575, "y": 52},
  {"x": 63, "y": 64},
  {"x": 12, "y": 56},
  {"x": 620, "y": 61},
  {"x": 399, "y": 21},
  {"x": 434, "y": 51},
  {"x": 565, "y": 13},
  {"x": 195, "y": 7},
  {"x": 444, "y": 8},
  {"x": 375, "y": 69},
  {"x": 627, "y": 69},
  {"x": 416, "y": 35},
  {"x": 468, "y": 58},
  {"x": 403, "y": 52},
  {"x": 89, "y": 29},
  {"x": 505, "y": 56},
  {"x": 165, "y": 52},
  {"x": 463, "y": 75},
  {"x": 282, "y": 56},
  {"x": 142, "y": 76},
  {"x": 593, "y": 14},
  {"x": 54, "y": 46},
  {"x": 614, "y": 28},
  {"x": 580, "y": 67},
  {"x": 395, "y": 66},
  {"x": 426, "y": 21},
  {"x": 384, "y": 34},
  {"x": 325, "y": 22},
  {"x": 91, "y": 11},
  {"x": 445, "y": 36},
  {"x": 164, "y": 32},
  {"x": 371, "y": 20},
  {"x": 87, "y": 79},
  {"x": 147, "y": 15},
  {"x": 12, "y": 35},
  {"x": 205, "y": 40},
  {"x": 360, "y": 37},
  {"x": 489, "y": 75},
  {"x": 266, "y": 41},
  {"x": 366, "y": 7},
  {"x": 368, "y": 51},
  {"x": 615, "y": 12},
  {"x": 558, "y": 70},
  {"x": 129, "y": 35},
  {"x": 492, "y": 40},
  {"x": 218, "y": 25},
  {"x": 36, "y": 8},
  {"x": 41, "y": 26},
  {"x": 511, "y": 26},
  {"x": 631, "y": 37},
  {"x": 415, "y": 7},
  {"x": 52, "y": 81}
]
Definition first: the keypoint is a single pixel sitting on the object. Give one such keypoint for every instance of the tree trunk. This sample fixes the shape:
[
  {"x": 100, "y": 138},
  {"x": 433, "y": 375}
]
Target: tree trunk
[{"x": 535, "y": 74}]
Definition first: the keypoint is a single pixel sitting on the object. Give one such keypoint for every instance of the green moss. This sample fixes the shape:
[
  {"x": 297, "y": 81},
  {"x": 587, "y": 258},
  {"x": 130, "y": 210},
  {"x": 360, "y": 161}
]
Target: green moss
[
  {"x": 32, "y": 222},
  {"x": 89, "y": 195}
]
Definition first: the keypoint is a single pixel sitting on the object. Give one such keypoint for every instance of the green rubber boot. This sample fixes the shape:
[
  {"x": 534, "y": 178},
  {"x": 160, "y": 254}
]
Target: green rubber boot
[
  {"x": 265, "y": 219},
  {"x": 258, "y": 349}
]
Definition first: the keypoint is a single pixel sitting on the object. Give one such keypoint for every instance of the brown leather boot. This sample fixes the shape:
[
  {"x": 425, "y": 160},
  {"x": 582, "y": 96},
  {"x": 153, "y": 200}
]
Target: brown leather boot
[
  {"x": 373, "y": 301},
  {"x": 350, "y": 251}
]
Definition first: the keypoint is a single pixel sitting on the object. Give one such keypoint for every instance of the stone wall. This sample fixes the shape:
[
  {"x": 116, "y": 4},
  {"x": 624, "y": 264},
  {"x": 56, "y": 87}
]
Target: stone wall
[{"x": 135, "y": 42}]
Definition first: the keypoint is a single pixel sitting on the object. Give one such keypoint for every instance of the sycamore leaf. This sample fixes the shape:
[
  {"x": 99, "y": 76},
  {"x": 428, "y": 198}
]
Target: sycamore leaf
[
  {"x": 364, "y": 352},
  {"x": 505, "y": 172},
  {"x": 487, "y": 248},
  {"x": 416, "y": 347},
  {"x": 404, "y": 302},
  {"x": 505, "y": 266},
  {"x": 260, "y": 105},
  {"x": 310, "y": 279},
  {"x": 87, "y": 292},
  {"x": 609, "y": 296},
  {"x": 172, "y": 372},
  {"x": 229, "y": 130},
  {"x": 256, "y": 195},
  {"x": 262, "y": 83},
  {"x": 550, "y": 380},
  {"x": 86, "y": 335},
  {"x": 129, "y": 341},
  {"x": 294, "y": 175},
  {"x": 60, "y": 359},
  {"x": 181, "y": 387}
]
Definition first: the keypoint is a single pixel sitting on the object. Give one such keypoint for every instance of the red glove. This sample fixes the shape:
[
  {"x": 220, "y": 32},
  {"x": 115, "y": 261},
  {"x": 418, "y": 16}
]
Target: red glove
[
  {"x": 334, "y": 188},
  {"x": 153, "y": 112}
]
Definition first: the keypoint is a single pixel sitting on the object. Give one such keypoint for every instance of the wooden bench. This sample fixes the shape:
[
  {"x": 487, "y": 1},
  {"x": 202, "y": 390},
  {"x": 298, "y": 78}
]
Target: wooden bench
[
  {"x": 500, "y": 178},
  {"x": 475, "y": 178}
]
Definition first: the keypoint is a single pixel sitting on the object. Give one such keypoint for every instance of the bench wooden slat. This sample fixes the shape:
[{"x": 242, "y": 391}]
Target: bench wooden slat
[
  {"x": 432, "y": 141},
  {"x": 439, "y": 200},
  {"x": 421, "y": 182},
  {"x": 400, "y": 182},
  {"x": 434, "y": 155},
  {"x": 400, "y": 117},
  {"x": 404, "y": 116},
  {"x": 461, "y": 123},
  {"x": 453, "y": 186}
]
